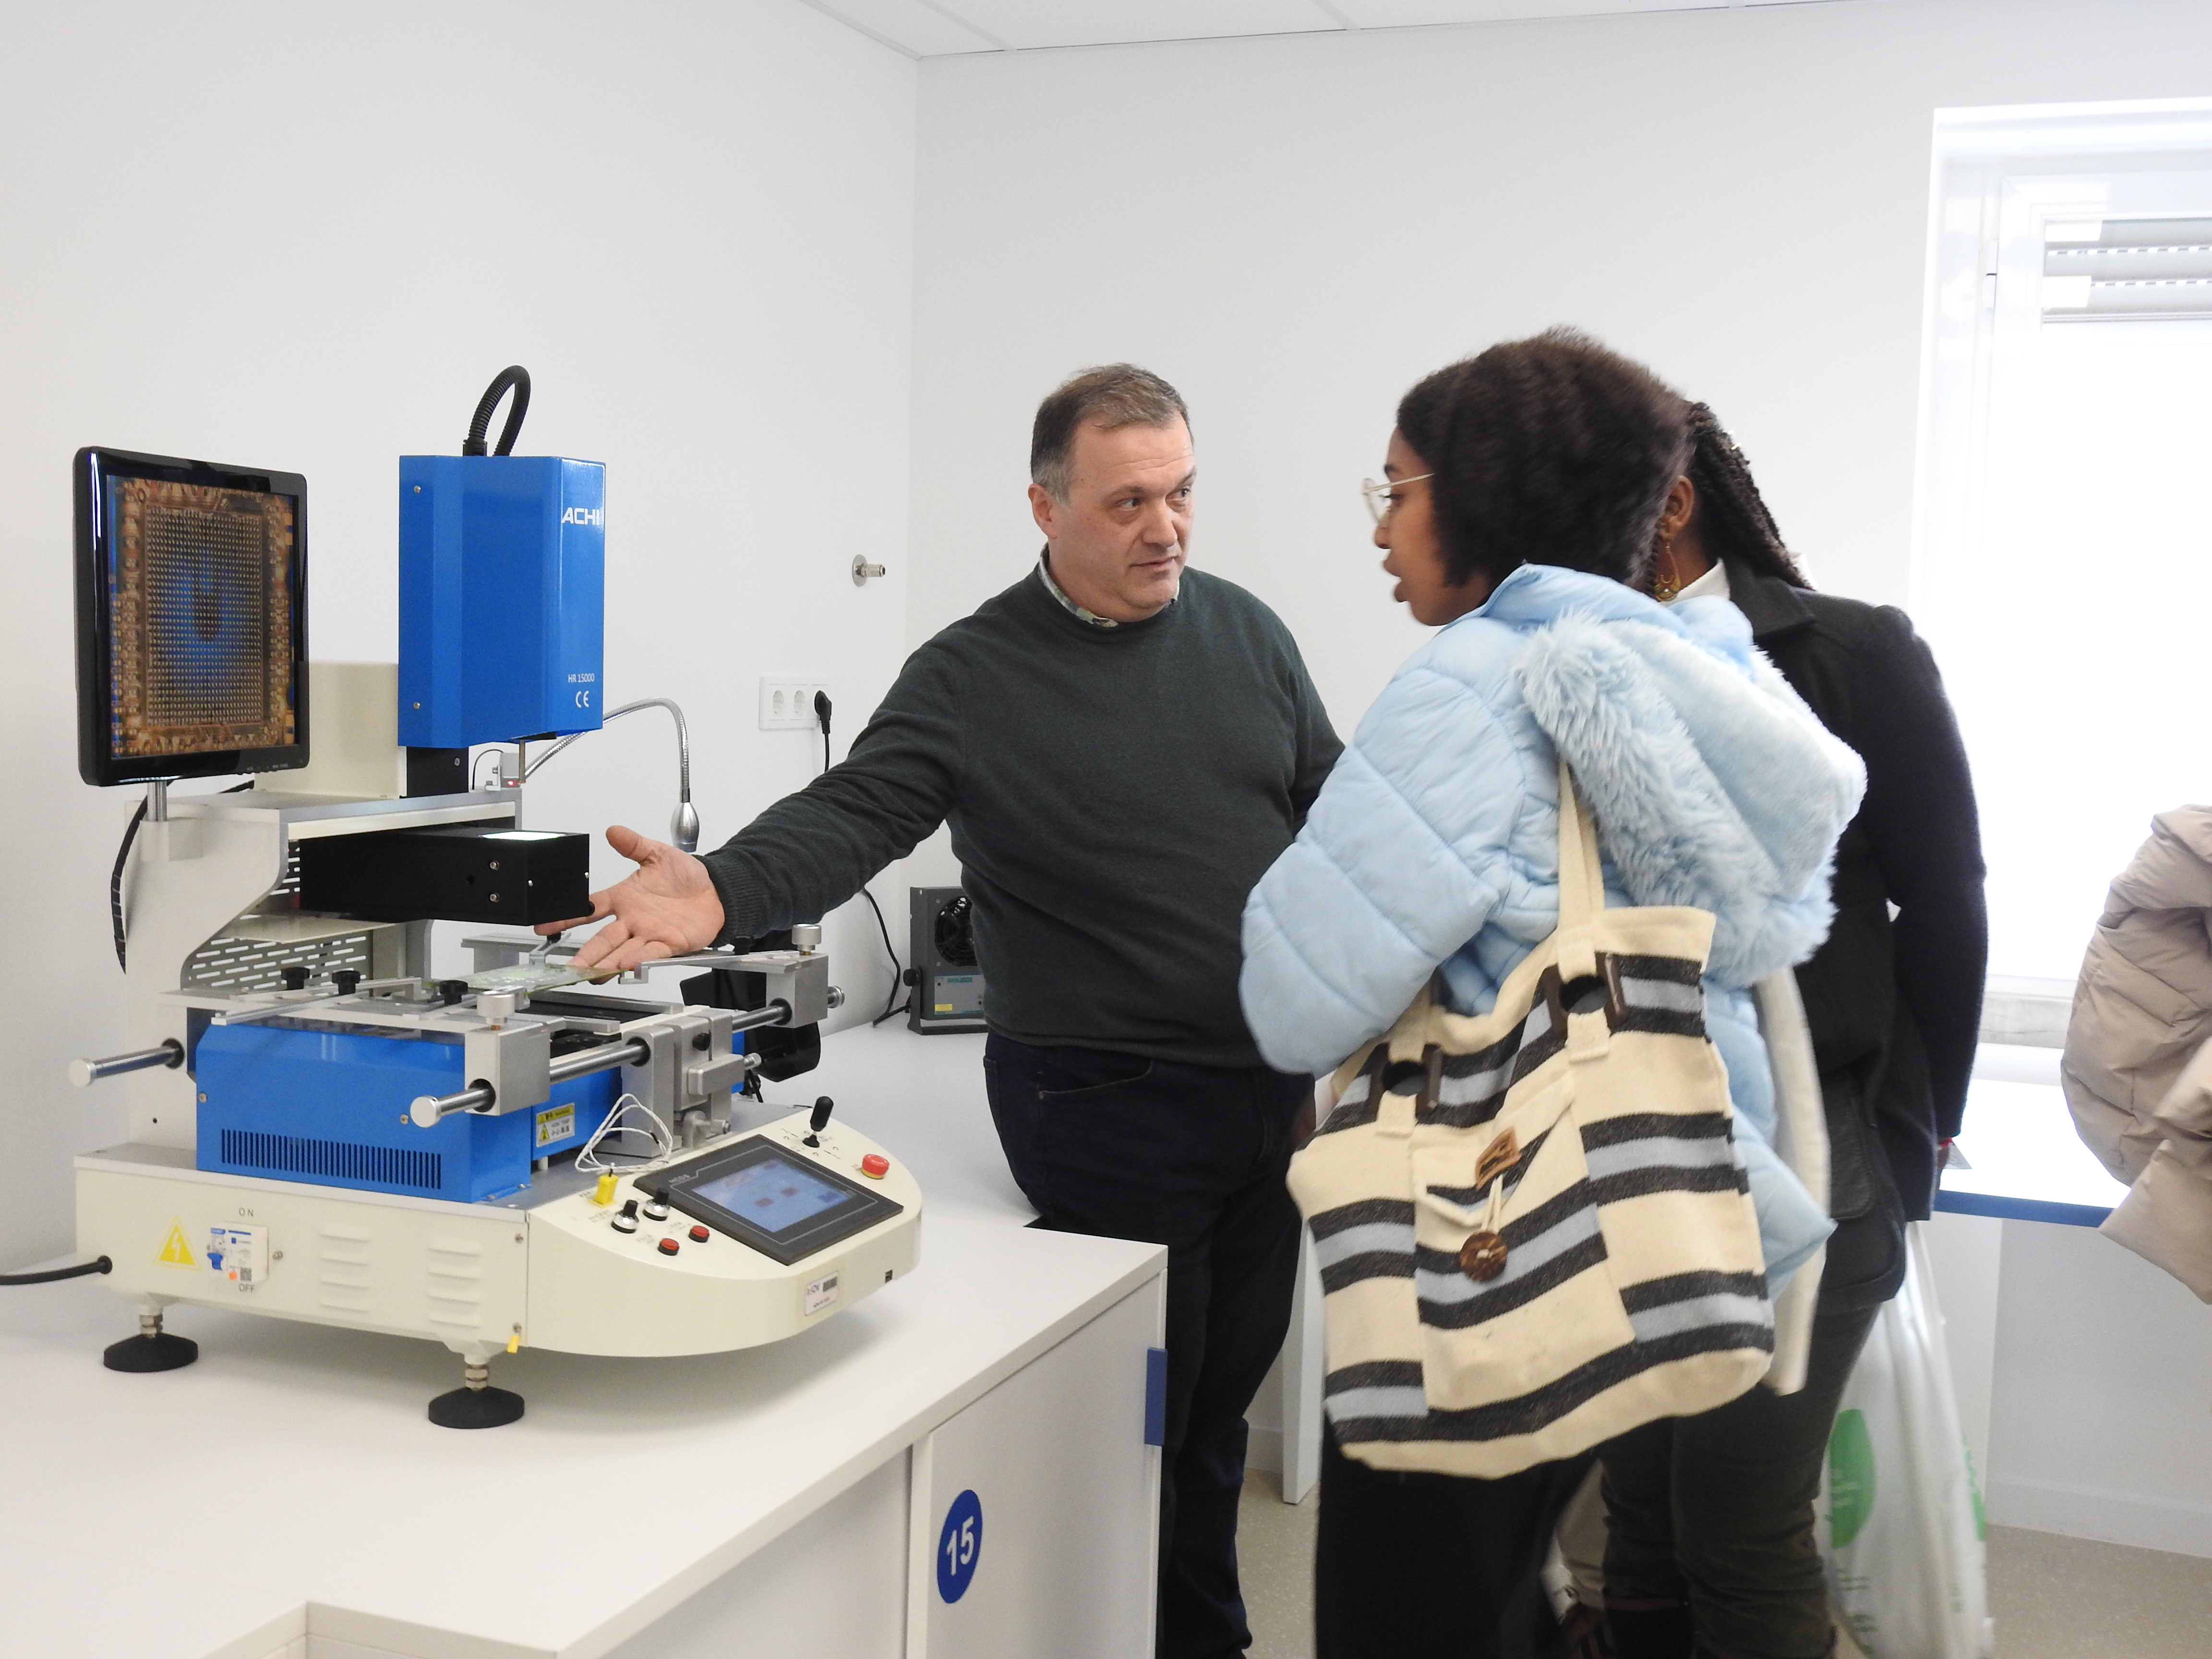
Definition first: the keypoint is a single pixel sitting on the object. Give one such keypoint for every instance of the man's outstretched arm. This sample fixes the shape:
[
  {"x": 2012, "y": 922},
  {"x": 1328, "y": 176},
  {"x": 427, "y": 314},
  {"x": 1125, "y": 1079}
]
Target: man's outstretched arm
[{"x": 805, "y": 854}]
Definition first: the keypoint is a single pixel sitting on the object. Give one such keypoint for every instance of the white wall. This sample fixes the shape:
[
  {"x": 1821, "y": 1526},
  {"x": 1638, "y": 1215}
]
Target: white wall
[
  {"x": 1293, "y": 230},
  {"x": 2100, "y": 1414},
  {"x": 305, "y": 236}
]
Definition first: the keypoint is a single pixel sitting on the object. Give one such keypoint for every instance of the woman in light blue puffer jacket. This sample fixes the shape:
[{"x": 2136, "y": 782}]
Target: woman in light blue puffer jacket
[{"x": 1525, "y": 488}]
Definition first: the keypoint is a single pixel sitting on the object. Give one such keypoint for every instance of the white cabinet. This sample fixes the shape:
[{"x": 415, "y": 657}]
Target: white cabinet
[
  {"x": 833, "y": 1585},
  {"x": 1022, "y": 1526},
  {"x": 1036, "y": 1509}
]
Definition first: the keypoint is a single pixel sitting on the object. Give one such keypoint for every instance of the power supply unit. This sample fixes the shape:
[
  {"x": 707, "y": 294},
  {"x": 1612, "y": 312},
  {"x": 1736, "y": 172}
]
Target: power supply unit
[{"x": 947, "y": 993}]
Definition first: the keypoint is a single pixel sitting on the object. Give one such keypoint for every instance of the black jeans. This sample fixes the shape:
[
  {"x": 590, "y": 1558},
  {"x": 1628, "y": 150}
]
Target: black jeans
[
  {"x": 1709, "y": 1518},
  {"x": 1192, "y": 1157},
  {"x": 1436, "y": 1566}
]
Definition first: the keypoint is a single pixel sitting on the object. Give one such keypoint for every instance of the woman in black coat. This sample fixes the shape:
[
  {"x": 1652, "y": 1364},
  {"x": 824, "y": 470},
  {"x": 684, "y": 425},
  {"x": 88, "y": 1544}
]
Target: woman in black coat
[{"x": 1711, "y": 1542}]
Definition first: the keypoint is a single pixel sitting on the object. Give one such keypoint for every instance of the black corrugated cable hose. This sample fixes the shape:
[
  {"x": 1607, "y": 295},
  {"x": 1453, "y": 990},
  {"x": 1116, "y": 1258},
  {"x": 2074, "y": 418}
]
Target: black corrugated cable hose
[
  {"x": 122, "y": 863},
  {"x": 102, "y": 1266},
  {"x": 115, "y": 883},
  {"x": 514, "y": 375},
  {"x": 898, "y": 974}
]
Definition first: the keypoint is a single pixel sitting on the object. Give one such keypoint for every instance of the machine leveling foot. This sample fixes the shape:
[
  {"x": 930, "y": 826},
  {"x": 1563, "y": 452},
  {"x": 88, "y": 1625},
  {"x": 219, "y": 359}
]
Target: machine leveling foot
[
  {"x": 475, "y": 1404},
  {"x": 152, "y": 1350}
]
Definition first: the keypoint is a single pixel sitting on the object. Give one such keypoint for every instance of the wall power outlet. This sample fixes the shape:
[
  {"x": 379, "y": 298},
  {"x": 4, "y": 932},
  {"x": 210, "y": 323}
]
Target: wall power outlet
[{"x": 788, "y": 705}]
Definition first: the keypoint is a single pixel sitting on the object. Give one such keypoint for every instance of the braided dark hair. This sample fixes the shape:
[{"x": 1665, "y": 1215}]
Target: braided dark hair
[
  {"x": 1546, "y": 450},
  {"x": 1731, "y": 515}
]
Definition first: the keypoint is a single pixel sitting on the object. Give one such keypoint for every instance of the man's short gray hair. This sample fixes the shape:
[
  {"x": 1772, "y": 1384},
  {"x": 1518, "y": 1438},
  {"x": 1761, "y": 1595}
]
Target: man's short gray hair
[{"x": 1118, "y": 395}]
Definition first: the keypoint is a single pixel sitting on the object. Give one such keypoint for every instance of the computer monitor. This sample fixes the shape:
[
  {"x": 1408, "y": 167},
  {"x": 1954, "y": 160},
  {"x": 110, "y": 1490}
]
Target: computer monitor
[{"x": 192, "y": 618}]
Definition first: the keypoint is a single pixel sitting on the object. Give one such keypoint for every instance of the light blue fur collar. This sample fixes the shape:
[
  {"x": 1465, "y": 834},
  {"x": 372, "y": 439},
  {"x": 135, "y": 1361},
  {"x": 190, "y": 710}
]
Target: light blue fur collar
[{"x": 1703, "y": 796}]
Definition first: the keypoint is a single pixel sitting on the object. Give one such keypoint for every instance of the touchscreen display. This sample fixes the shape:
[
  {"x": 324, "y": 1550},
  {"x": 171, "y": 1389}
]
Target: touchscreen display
[{"x": 773, "y": 1195}]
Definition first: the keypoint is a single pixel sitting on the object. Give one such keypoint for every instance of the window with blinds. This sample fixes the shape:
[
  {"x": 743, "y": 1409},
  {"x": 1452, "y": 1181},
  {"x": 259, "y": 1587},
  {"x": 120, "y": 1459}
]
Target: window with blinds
[
  {"x": 2100, "y": 271},
  {"x": 2064, "y": 561}
]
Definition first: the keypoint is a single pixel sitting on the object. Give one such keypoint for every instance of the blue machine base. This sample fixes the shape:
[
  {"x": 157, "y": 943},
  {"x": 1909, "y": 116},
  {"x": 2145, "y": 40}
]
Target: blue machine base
[{"x": 331, "y": 1107}]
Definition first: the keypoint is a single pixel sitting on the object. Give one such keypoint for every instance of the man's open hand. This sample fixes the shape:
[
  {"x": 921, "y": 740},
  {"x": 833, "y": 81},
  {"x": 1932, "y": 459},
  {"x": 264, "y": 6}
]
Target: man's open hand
[{"x": 667, "y": 908}]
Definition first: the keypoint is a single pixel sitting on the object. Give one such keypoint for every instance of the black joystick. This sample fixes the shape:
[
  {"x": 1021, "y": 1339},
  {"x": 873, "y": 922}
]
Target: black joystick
[
  {"x": 815, "y": 1125},
  {"x": 348, "y": 979},
  {"x": 451, "y": 991},
  {"x": 295, "y": 975}
]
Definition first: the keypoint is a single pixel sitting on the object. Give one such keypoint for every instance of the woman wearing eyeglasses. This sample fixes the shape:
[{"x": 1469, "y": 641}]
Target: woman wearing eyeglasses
[{"x": 1523, "y": 494}]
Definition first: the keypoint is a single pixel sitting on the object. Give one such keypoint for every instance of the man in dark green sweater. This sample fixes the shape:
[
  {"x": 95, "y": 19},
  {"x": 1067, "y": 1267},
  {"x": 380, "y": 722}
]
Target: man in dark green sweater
[{"x": 1122, "y": 747}]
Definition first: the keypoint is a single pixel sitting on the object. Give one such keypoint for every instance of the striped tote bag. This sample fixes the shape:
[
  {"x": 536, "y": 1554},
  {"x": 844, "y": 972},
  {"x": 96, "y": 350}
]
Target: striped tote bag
[{"x": 1533, "y": 1231}]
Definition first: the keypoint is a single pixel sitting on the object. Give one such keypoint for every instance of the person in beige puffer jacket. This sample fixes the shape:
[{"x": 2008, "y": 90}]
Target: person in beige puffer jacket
[{"x": 2138, "y": 1065}]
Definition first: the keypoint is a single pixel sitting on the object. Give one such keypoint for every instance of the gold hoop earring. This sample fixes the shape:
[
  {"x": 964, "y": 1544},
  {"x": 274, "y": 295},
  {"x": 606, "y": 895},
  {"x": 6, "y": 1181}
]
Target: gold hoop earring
[{"x": 1665, "y": 584}]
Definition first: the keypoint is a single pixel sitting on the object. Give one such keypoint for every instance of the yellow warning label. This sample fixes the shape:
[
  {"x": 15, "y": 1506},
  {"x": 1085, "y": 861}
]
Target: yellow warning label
[
  {"x": 556, "y": 1123},
  {"x": 174, "y": 1251}
]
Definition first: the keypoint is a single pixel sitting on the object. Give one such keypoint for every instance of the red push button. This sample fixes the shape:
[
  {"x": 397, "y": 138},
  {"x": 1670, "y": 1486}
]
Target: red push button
[
  {"x": 875, "y": 1166},
  {"x": 669, "y": 1247},
  {"x": 700, "y": 1235}
]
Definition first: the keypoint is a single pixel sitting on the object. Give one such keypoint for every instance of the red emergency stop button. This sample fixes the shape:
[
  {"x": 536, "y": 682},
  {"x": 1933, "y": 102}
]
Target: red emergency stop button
[
  {"x": 700, "y": 1235},
  {"x": 875, "y": 1166},
  {"x": 669, "y": 1247}
]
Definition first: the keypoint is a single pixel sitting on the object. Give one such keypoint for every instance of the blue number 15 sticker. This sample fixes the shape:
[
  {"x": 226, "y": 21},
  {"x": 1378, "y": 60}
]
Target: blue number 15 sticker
[{"x": 960, "y": 1545}]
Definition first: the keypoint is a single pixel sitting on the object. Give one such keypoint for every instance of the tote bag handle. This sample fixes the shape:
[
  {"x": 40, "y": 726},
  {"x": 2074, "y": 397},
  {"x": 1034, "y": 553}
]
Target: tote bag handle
[{"x": 1582, "y": 881}]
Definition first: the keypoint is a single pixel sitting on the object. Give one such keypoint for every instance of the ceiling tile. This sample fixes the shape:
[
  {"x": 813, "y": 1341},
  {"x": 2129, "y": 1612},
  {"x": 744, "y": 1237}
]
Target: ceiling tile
[
  {"x": 907, "y": 24},
  {"x": 934, "y": 28},
  {"x": 1102, "y": 22},
  {"x": 1392, "y": 14}
]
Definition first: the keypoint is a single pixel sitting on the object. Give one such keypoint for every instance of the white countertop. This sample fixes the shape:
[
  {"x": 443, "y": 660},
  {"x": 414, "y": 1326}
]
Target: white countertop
[
  {"x": 102, "y": 1605},
  {"x": 291, "y": 1474},
  {"x": 2023, "y": 1157}
]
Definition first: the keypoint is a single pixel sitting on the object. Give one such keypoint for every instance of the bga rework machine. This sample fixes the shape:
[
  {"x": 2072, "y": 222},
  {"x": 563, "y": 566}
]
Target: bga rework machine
[{"x": 321, "y": 1130}]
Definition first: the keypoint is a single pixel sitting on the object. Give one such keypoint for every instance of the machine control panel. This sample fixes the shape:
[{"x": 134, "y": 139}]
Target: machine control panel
[
  {"x": 776, "y": 1198},
  {"x": 749, "y": 1253}
]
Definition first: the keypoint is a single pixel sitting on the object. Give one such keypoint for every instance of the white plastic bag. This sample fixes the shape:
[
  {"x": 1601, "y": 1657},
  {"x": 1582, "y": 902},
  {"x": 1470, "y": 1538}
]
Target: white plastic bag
[{"x": 1902, "y": 1527}]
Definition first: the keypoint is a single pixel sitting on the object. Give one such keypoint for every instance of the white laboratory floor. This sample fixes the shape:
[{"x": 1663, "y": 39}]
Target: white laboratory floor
[{"x": 2052, "y": 1597}]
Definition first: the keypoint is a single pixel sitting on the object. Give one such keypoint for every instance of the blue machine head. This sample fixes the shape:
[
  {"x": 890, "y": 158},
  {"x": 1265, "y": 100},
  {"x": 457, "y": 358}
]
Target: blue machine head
[{"x": 502, "y": 590}]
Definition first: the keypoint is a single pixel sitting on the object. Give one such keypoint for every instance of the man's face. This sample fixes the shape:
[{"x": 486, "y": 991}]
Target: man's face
[{"x": 1119, "y": 540}]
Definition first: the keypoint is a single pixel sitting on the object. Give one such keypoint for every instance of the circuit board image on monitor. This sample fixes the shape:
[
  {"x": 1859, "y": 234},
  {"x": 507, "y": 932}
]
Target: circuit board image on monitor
[{"x": 192, "y": 618}]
